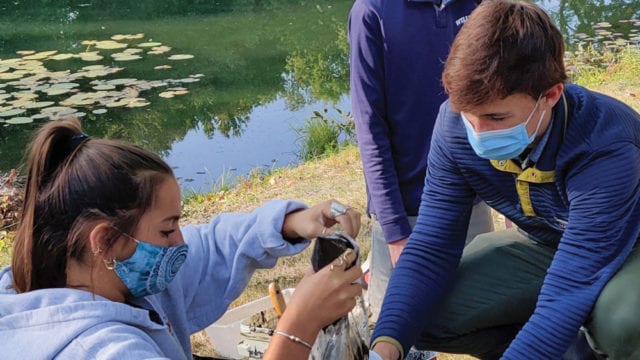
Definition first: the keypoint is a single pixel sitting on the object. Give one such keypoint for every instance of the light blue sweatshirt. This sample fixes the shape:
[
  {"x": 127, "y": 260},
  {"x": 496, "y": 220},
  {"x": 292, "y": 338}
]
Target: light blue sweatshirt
[{"x": 74, "y": 324}]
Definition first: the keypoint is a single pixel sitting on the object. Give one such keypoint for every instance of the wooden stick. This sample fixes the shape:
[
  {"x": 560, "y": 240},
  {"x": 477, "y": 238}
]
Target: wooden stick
[{"x": 277, "y": 299}]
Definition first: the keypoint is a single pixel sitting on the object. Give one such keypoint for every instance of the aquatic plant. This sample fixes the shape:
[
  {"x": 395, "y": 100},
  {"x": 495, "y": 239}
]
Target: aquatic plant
[
  {"x": 30, "y": 88},
  {"x": 323, "y": 134}
]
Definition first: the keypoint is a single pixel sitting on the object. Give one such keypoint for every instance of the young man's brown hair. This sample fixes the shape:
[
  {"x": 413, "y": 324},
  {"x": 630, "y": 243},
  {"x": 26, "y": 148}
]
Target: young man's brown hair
[{"x": 506, "y": 47}]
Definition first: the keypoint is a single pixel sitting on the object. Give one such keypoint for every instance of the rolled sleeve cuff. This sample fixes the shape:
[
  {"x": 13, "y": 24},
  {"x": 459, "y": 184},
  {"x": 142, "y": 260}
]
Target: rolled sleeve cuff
[
  {"x": 396, "y": 230},
  {"x": 391, "y": 341}
]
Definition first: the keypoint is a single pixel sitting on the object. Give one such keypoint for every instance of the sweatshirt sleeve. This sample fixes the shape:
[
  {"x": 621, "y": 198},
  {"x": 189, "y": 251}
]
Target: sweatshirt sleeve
[
  {"x": 368, "y": 103},
  {"x": 604, "y": 222},
  {"x": 428, "y": 262},
  {"x": 224, "y": 253}
]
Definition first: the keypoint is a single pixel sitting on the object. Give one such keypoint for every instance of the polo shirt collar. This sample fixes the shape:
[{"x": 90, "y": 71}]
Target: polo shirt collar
[{"x": 435, "y": 2}]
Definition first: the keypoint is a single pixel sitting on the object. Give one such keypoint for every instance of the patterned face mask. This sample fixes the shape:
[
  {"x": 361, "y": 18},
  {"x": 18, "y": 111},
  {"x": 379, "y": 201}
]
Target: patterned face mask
[{"x": 151, "y": 267}]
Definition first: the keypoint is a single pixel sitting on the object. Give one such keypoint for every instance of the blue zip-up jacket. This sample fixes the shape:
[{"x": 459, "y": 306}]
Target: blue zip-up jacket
[
  {"x": 398, "y": 49},
  {"x": 74, "y": 324},
  {"x": 582, "y": 197}
]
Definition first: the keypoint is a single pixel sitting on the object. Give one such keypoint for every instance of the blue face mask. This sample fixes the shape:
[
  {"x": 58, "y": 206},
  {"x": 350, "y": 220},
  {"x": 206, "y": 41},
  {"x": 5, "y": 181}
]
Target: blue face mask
[
  {"x": 151, "y": 267},
  {"x": 503, "y": 144}
]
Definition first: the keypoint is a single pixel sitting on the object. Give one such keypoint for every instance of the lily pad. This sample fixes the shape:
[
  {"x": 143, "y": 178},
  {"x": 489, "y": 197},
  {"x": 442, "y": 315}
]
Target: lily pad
[
  {"x": 96, "y": 73},
  {"x": 40, "y": 55},
  {"x": 90, "y": 57},
  {"x": 119, "y": 37},
  {"x": 189, "y": 80},
  {"x": 180, "y": 57},
  {"x": 56, "y": 91},
  {"x": 156, "y": 83},
  {"x": 40, "y": 116},
  {"x": 94, "y": 67},
  {"x": 163, "y": 48},
  {"x": 157, "y": 50},
  {"x": 10, "y": 75},
  {"x": 602, "y": 24},
  {"x": 58, "y": 110},
  {"x": 117, "y": 103},
  {"x": 77, "y": 101},
  {"x": 162, "y": 67},
  {"x": 62, "y": 57},
  {"x": 38, "y": 104},
  {"x": 12, "y": 112},
  {"x": 137, "y": 102},
  {"x": 25, "y": 95},
  {"x": 19, "y": 120},
  {"x": 132, "y": 51},
  {"x": 123, "y": 81},
  {"x": 20, "y": 103},
  {"x": 125, "y": 57},
  {"x": 104, "y": 87},
  {"x": 99, "y": 111},
  {"x": 149, "y": 44},
  {"x": 64, "y": 85},
  {"x": 166, "y": 94},
  {"x": 25, "y": 52},
  {"x": 110, "y": 44}
]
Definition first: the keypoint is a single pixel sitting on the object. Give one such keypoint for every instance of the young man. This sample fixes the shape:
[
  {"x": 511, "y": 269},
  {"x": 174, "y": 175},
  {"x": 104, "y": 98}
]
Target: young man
[{"x": 560, "y": 161}]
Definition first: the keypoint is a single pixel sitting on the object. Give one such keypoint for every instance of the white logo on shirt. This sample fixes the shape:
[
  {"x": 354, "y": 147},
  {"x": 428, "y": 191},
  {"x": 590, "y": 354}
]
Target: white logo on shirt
[{"x": 461, "y": 21}]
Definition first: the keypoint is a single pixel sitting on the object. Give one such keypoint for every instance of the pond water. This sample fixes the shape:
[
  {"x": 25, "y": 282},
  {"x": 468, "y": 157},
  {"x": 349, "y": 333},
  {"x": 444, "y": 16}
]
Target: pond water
[{"x": 216, "y": 87}]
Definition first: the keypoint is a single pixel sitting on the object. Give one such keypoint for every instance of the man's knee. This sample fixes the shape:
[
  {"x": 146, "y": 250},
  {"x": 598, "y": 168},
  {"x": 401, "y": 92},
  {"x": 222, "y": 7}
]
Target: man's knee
[{"x": 615, "y": 326}]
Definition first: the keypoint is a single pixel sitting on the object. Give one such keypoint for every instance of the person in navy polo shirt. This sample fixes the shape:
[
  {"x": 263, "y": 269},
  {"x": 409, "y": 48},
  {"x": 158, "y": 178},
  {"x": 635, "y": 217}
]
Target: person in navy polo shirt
[{"x": 398, "y": 49}]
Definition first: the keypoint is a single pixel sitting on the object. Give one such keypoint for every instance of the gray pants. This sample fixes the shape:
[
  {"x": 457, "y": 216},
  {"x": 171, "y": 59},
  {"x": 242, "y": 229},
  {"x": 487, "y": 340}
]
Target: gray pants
[
  {"x": 481, "y": 315},
  {"x": 380, "y": 260}
]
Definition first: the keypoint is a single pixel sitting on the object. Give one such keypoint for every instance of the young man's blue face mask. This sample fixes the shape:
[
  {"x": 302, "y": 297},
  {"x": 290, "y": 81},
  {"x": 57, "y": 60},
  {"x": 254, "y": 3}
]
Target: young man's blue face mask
[
  {"x": 151, "y": 267},
  {"x": 503, "y": 144}
]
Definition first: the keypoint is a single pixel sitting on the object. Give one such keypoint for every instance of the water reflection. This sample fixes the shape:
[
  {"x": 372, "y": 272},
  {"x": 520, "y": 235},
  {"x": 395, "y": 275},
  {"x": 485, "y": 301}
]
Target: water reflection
[
  {"x": 267, "y": 64},
  {"x": 581, "y": 16},
  {"x": 318, "y": 74},
  {"x": 241, "y": 47}
]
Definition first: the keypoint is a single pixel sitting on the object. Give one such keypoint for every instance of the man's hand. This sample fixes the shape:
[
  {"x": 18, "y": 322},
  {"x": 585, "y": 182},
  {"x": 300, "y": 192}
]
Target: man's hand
[{"x": 395, "y": 249}]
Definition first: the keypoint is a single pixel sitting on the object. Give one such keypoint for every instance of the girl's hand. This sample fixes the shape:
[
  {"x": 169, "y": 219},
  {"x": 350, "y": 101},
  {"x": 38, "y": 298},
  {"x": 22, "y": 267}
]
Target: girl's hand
[
  {"x": 315, "y": 221},
  {"x": 323, "y": 297}
]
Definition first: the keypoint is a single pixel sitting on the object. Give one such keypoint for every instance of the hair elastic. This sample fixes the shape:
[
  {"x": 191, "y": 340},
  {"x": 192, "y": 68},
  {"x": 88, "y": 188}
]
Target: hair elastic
[{"x": 76, "y": 143}]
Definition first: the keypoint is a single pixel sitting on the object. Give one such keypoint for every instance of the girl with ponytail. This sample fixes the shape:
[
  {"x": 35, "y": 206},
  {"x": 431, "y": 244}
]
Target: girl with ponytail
[{"x": 101, "y": 268}]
